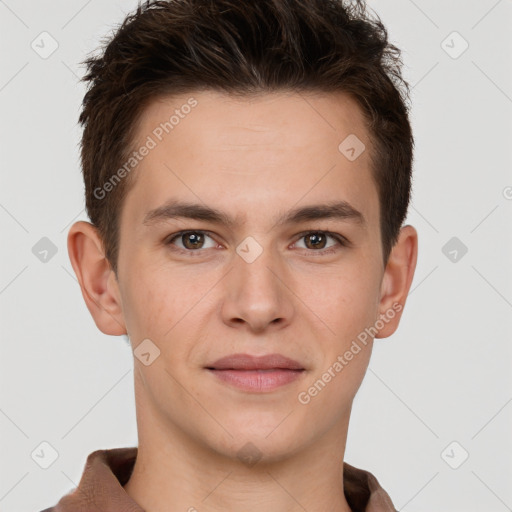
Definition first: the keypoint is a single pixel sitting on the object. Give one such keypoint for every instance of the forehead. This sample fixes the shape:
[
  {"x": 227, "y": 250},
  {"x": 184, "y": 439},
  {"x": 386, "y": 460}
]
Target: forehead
[
  {"x": 256, "y": 119},
  {"x": 249, "y": 153}
]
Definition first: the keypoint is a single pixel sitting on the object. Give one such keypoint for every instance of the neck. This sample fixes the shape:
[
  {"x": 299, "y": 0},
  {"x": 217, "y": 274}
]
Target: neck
[{"x": 176, "y": 472}]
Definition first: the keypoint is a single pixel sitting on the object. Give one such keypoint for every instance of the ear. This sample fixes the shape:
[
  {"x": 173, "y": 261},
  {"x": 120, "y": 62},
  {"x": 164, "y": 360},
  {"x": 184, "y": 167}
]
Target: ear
[
  {"x": 397, "y": 280},
  {"x": 96, "y": 278}
]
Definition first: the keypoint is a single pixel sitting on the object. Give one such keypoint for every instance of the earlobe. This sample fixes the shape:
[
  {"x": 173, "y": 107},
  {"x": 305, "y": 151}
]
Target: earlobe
[
  {"x": 96, "y": 278},
  {"x": 397, "y": 280}
]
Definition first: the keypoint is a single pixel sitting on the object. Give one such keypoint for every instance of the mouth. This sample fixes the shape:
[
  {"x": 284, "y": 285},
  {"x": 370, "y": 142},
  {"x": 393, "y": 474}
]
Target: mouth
[{"x": 256, "y": 374}]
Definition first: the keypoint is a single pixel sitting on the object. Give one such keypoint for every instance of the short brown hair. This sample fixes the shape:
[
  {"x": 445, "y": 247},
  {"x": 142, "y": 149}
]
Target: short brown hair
[{"x": 243, "y": 47}]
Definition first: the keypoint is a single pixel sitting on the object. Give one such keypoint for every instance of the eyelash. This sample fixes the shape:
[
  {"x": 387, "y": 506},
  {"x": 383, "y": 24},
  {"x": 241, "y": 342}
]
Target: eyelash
[{"x": 342, "y": 241}]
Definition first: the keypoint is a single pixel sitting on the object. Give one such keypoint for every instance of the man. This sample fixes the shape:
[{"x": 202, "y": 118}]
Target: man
[{"x": 247, "y": 169}]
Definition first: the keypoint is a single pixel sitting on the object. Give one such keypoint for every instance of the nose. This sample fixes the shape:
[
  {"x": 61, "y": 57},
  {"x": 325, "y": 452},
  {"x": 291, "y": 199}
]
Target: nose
[{"x": 256, "y": 296}]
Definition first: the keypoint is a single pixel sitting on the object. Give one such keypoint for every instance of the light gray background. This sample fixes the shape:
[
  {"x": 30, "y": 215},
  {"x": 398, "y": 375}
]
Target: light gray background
[{"x": 443, "y": 377}]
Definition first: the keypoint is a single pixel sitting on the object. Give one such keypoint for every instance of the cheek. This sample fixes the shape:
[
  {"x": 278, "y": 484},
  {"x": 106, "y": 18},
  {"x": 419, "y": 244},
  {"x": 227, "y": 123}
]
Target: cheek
[
  {"x": 348, "y": 307},
  {"x": 344, "y": 301},
  {"x": 164, "y": 304},
  {"x": 149, "y": 305}
]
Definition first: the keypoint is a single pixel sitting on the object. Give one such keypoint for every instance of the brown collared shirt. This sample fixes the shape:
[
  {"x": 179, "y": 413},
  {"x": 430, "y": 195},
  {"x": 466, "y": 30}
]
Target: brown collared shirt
[{"x": 106, "y": 471}]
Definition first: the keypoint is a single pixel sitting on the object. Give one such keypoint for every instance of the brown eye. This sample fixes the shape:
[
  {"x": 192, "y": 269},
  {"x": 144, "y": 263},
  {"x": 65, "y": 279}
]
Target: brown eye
[
  {"x": 191, "y": 241},
  {"x": 318, "y": 242},
  {"x": 315, "y": 240}
]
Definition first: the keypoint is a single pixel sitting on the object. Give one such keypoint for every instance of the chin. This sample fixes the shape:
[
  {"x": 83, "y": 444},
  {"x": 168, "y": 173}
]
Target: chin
[{"x": 264, "y": 441}]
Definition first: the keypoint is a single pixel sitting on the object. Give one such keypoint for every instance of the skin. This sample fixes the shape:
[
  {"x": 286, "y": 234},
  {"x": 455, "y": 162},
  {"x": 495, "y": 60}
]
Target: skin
[{"x": 254, "y": 159}]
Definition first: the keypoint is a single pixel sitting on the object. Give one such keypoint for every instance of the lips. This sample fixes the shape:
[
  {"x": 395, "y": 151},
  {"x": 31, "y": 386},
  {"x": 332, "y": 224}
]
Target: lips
[
  {"x": 256, "y": 374},
  {"x": 248, "y": 362}
]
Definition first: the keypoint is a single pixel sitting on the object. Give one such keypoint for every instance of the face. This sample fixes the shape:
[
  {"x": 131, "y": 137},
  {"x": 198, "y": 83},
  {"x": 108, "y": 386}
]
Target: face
[{"x": 248, "y": 231}]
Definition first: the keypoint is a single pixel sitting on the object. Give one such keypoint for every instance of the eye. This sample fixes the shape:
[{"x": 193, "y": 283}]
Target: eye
[
  {"x": 191, "y": 240},
  {"x": 317, "y": 241},
  {"x": 314, "y": 241}
]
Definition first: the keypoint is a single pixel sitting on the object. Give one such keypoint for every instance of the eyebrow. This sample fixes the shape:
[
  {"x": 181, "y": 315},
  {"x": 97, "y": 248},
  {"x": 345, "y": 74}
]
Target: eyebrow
[{"x": 173, "y": 209}]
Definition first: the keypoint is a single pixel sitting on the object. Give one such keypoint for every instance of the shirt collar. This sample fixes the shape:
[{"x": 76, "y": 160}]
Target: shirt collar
[{"x": 107, "y": 471}]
